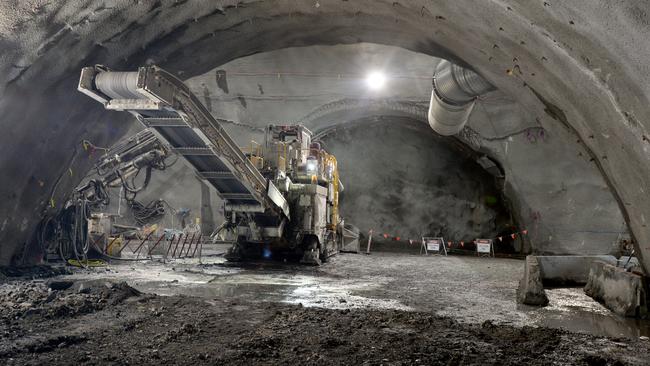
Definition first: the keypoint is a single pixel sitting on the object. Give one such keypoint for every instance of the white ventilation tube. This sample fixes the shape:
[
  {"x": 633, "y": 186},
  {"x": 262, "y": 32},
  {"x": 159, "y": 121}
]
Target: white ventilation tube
[
  {"x": 119, "y": 85},
  {"x": 454, "y": 92}
]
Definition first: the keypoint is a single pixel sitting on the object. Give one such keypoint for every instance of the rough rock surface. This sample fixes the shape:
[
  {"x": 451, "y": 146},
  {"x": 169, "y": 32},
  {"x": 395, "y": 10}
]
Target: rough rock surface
[{"x": 412, "y": 183}]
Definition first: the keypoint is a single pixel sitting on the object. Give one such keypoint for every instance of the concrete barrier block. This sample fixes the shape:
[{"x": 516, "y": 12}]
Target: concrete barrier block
[
  {"x": 531, "y": 290},
  {"x": 563, "y": 270},
  {"x": 620, "y": 291}
]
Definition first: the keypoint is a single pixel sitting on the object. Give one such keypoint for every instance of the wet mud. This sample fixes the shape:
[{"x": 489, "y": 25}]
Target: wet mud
[
  {"x": 116, "y": 324},
  {"x": 357, "y": 309}
]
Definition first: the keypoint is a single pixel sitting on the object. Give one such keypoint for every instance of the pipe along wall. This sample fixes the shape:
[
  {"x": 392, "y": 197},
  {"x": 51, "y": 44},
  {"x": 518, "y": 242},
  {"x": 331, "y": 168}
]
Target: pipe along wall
[{"x": 455, "y": 90}]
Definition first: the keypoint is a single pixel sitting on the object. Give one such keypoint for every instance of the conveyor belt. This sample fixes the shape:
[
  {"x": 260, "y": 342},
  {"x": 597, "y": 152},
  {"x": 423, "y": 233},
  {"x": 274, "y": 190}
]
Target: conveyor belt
[{"x": 165, "y": 104}]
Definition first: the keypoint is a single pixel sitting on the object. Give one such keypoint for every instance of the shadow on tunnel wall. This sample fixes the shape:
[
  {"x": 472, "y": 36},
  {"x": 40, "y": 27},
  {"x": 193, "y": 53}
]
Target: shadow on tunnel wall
[{"x": 43, "y": 158}]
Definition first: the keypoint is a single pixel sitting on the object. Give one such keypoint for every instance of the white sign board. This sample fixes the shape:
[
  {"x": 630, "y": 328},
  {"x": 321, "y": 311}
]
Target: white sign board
[
  {"x": 484, "y": 246},
  {"x": 433, "y": 245}
]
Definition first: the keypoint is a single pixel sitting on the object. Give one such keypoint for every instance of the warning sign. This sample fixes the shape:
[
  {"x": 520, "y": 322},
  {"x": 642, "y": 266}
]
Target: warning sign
[
  {"x": 433, "y": 246},
  {"x": 484, "y": 247}
]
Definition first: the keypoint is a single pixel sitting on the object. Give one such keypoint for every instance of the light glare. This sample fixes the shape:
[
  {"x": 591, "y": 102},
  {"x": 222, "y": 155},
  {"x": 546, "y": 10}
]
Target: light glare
[{"x": 376, "y": 80}]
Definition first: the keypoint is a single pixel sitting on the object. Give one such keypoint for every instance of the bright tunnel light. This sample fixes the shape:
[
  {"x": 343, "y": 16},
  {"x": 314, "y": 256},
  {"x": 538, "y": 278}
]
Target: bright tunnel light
[{"x": 376, "y": 80}]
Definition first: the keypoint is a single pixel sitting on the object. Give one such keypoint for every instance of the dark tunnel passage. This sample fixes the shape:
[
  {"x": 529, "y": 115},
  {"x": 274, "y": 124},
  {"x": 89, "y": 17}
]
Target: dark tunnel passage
[{"x": 402, "y": 178}]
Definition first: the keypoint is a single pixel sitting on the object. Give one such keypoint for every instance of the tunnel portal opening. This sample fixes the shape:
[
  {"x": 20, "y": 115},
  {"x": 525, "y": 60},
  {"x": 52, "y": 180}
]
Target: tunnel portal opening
[{"x": 405, "y": 181}]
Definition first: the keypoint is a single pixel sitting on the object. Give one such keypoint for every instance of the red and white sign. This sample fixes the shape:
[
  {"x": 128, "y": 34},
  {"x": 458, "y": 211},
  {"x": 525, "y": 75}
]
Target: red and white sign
[
  {"x": 484, "y": 246},
  {"x": 434, "y": 244}
]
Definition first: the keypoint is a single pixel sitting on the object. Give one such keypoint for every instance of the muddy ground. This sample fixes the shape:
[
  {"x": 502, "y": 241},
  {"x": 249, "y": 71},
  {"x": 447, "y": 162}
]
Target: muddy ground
[{"x": 94, "y": 318}]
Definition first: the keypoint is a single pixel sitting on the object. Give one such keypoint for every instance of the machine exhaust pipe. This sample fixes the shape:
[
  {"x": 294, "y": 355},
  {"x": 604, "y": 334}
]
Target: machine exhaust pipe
[{"x": 452, "y": 100}]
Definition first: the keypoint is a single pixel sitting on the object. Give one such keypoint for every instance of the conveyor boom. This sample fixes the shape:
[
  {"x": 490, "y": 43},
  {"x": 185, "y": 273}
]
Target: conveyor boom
[{"x": 165, "y": 104}]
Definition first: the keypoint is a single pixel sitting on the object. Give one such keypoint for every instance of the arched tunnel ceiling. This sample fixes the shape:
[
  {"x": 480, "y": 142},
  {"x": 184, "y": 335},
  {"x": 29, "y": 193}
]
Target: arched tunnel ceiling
[{"x": 578, "y": 65}]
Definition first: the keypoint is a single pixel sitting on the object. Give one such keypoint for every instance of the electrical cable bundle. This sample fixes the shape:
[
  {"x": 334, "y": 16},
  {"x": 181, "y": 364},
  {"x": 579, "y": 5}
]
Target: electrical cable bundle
[
  {"x": 152, "y": 212},
  {"x": 155, "y": 209},
  {"x": 68, "y": 229},
  {"x": 130, "y": 190},
  {"x": 99, "y": 196}
]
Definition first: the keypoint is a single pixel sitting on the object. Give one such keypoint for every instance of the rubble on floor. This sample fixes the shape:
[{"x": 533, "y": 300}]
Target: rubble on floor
[
  {"x": 154, "y": 330},
  {"x": 35, "y": 271},
  {"x": 23, "y": 301}
]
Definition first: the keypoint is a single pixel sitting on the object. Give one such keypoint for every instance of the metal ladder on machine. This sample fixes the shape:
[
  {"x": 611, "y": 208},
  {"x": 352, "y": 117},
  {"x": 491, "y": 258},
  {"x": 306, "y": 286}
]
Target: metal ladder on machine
[{"x": 165, "y": 104}]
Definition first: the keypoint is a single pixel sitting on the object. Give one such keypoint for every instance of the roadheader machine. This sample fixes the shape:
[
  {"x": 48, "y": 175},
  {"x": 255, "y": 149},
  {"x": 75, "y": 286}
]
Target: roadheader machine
[{"x": 281, "y": 199}]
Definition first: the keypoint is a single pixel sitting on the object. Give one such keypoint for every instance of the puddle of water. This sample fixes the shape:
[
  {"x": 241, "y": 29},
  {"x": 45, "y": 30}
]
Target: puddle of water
[
  {"x": 251, "y": 282},
  {"x": 571, "y": 309},
  {"x": 573, "y": 300},
  {"x": 341, "y": 295},
  {"x": 245, "y": 292}
]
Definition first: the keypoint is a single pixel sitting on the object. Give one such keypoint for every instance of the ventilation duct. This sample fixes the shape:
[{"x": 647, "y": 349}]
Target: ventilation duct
[
  {"x": 119, "y": 85},
  {"x": 454, "y": 92}
]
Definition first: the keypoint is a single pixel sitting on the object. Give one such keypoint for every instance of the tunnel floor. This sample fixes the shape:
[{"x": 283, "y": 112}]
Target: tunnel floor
[{"x": 357, "y": 309}]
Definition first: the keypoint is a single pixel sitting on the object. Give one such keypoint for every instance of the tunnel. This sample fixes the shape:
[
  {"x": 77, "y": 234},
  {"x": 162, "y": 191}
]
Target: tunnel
[{"x": 546, "y": 158}]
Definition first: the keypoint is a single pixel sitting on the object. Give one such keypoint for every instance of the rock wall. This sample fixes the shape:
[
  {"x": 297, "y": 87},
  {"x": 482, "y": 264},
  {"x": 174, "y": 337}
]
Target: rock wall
[{"x": 409, "y": 182}]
